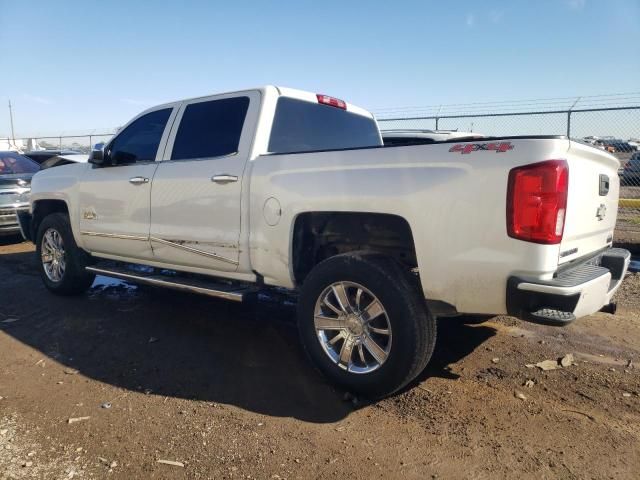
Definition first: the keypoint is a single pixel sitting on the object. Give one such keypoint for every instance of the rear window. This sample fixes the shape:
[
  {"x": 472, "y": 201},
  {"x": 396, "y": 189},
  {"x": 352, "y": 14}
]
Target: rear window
[
  {"x": 12, "y": 163},
  {"x": 300, "y": 126},
  {"x": 406, "y": 141},
  {"x": 210, "y": 129}
]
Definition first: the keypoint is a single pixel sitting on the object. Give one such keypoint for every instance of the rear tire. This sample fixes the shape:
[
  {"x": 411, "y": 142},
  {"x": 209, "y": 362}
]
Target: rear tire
[
  {"x": 339, "y": 340},
  {"x": 61, "y": 263}
]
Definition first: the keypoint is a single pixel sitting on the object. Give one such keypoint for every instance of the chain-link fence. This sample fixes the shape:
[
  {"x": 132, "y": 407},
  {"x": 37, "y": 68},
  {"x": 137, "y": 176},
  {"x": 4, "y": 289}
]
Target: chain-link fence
[
  {"x": 79, "y": 143},
  {"x": 609, "y": 122},
  {"x": 615, "y": 129}
]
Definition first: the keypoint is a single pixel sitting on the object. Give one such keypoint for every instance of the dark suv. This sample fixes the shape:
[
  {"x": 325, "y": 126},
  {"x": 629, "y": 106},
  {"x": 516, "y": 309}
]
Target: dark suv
[
  {"x": 15, "y": 185},
  {"x": 631, "y": 172}
]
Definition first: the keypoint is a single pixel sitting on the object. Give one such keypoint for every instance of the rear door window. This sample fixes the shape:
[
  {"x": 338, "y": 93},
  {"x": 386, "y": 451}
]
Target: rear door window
[
  {"x": 210, "y": 129},
  {"x": 301, "y": 126}
]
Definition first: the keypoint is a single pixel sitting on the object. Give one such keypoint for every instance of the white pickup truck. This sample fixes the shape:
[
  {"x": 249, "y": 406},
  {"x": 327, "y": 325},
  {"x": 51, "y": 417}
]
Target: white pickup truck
[{"x": 277, "y": 187}]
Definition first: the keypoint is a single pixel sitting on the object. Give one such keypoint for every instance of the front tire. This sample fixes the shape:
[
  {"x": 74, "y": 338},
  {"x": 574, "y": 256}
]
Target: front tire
[
  {"x": 364, "y": 323},
  {"x": 61, "y": 263}
]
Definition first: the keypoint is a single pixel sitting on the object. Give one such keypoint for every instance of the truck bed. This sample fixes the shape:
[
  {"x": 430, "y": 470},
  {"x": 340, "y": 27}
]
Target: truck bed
[{"x": 455, "y": 203}]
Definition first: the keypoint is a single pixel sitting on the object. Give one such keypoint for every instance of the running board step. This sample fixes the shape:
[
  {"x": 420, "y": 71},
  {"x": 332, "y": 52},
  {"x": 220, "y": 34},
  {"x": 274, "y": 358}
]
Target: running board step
[{"x": 236, "y": 293}]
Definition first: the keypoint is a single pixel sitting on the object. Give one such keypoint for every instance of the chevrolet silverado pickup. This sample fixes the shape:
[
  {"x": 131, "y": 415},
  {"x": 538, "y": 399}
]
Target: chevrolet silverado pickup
[{"x": 275, "y": 187}]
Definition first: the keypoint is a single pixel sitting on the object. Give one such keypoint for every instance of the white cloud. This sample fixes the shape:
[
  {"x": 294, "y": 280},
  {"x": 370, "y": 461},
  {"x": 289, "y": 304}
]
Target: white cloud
[
  {"x": 576, "y": 4},
  {"x": 470, "y": 20},
  {"x": 496, "y": 16},
  {"x": 139, "y": 102},
  {"x": 36, "y": 99}
]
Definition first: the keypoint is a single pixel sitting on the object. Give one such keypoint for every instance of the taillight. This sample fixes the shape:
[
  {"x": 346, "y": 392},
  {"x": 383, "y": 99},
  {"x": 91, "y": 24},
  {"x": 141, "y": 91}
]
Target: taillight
[
  {"x": 331, "y": 101},
  {"x": 537, "y": 201}
]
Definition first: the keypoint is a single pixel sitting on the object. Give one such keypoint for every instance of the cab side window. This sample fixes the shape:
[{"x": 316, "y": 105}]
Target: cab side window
[
  {"x": 210, "y": 129},
  {"x": 139, "y": 141}
]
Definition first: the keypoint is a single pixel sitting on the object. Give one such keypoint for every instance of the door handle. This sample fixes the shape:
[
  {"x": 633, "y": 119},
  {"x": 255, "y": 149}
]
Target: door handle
[
  {"x": 138, "y": 180},
  {"x": 224, "y": 178}
]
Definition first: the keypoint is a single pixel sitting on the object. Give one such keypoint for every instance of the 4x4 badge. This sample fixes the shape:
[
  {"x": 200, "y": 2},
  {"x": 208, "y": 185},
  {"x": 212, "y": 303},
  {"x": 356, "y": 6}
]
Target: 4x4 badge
[
  {"x": 465, "y": 148},
  {"x": 89, "y": 214},
  {"x": 602, "y": 211}
]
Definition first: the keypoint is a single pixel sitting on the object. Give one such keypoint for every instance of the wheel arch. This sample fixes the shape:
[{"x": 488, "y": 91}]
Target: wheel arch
[
  {"x": 42, "y": 208},
  {"x": 318, "y": 235}
]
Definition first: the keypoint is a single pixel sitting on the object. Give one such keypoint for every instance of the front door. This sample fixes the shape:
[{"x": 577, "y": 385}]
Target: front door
[
  {"x": 196, "y": 194},
  {"x": 115, "y": 198}
]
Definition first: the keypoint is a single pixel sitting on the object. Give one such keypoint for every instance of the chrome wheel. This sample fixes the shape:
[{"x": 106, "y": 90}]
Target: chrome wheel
[
  {"x": 353, "y": 327},
  {"x": 53, "y": 255}
]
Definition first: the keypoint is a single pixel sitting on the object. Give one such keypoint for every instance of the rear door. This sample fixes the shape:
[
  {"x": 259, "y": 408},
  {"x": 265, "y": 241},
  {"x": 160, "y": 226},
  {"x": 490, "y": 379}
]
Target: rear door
[
  {"x": 592, "y": 204},
  {"x": 197, "y": 190}
]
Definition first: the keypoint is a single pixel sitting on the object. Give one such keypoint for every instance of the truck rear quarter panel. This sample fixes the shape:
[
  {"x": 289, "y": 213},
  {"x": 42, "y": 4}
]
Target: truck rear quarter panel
[{"x": 454, "y": 203}]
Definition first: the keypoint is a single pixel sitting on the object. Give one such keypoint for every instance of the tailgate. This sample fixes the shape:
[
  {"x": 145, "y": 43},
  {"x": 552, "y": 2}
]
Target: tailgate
[{"x": 592, "y": 205}]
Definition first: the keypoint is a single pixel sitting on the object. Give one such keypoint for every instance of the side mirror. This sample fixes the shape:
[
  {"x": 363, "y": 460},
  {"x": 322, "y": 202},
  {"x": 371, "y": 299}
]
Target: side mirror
[{"x": 96, "y": 157}]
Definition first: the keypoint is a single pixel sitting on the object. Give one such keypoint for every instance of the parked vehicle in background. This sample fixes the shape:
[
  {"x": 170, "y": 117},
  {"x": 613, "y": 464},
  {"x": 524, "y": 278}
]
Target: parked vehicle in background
[
  {"x": 60, "y": 160},
  {"x": 15, "y": 184},
  {"x": 275, "y": 187},
  {"x": 634, "y": 142},
  {"x": 631, "y": 172},
  {"x": 615, "y": 145},
  {"x": 602, "y": 145},
  {"x": 40, "y": 156},
  {"x": 423, "y": 137}
]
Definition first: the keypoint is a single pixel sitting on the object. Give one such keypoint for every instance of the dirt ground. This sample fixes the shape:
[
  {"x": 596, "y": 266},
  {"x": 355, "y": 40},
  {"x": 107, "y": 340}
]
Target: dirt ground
[{"x": 108, "y": 384}]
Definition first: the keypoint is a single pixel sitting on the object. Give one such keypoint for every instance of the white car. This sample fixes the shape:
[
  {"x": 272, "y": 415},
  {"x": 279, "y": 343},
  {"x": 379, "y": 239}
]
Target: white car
[
  {"x": 591, "y": 139},
  {"x": 64, "y": 159},
  {"x": 275, "y": 187}
]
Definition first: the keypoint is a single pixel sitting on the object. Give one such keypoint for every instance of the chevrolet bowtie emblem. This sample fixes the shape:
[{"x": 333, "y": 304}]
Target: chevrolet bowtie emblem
[
  {"x": 601, "y": 212},
  {"x": 89, "y": 214}
]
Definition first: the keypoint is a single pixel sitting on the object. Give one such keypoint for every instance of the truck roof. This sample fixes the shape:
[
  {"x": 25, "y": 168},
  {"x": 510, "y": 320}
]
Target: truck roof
[
  {"x": 279, "y": 91},
  {"x": 312, "y": 97}
]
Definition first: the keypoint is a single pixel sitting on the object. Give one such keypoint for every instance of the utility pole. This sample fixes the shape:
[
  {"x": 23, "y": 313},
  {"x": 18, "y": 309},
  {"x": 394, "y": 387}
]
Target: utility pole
[
  {"x": 13, "y": 135},
  {"x": 569, "y": 116}
]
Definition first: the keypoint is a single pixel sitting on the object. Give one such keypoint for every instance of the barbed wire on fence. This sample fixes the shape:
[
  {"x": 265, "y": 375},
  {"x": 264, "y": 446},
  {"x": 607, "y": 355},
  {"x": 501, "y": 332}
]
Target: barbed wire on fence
[
  {"x": 620, "y": 122},
  {"x": 512, "y": 106}
]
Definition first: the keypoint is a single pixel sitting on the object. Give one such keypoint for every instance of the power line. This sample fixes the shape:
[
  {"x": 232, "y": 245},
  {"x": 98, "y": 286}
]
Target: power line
[
  {"x": 554, "y": 103},
  {"x": 13, "y": 135},
  {"x": 497, "y": 102}
]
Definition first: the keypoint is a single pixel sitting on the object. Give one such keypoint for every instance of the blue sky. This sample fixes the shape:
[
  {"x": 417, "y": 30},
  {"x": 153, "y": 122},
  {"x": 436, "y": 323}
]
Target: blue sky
[{"x": 77, "y": 65}]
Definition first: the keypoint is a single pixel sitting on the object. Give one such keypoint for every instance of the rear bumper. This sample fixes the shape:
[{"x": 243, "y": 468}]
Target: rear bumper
[{"x": 574, "y": 292}]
